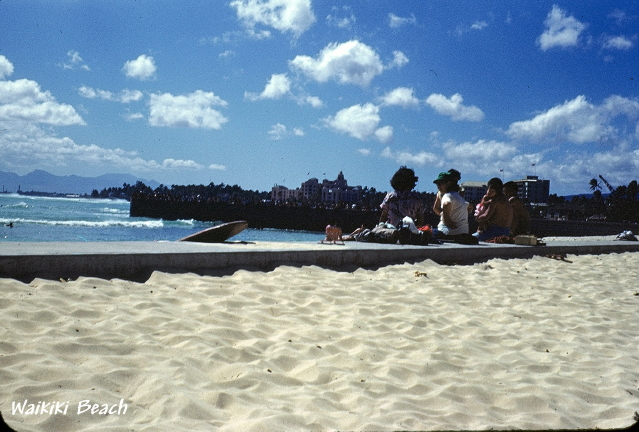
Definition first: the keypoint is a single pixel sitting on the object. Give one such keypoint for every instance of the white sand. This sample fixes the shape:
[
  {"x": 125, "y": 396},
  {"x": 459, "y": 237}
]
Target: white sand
[{"x": 536, "y": 343}]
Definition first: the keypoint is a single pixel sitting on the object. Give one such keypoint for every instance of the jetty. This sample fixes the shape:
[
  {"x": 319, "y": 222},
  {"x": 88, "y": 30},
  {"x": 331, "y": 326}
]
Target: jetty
[{"x": 306, "y": 218}]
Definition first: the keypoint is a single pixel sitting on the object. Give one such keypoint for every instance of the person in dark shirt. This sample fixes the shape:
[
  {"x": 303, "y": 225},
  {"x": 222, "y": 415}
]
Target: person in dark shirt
[{"x": 521, "y": 218}]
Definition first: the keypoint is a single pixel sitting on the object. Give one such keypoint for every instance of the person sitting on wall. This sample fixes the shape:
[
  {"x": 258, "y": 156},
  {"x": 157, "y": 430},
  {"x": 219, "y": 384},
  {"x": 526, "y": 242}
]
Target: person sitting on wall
[
  {"x": 403, "y": 209},
  {"x": 494, "y": 213},
  {"x": 453, "y": 211},
  {"x": 456, "y": 177},
  {"x": 403, "y": 200},
  {"x": 521, "y": 218}
]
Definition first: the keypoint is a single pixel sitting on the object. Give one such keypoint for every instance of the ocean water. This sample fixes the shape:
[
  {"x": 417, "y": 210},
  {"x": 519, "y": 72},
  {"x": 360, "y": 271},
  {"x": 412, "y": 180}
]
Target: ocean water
[{"x": 50, "y": 219}]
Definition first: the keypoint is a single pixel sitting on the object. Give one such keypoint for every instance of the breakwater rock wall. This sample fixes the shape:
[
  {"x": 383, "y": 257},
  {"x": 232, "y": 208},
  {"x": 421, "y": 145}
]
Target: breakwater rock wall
[
  {"x": 315, "y": 219},
  {"x": 257, "y": 215}
]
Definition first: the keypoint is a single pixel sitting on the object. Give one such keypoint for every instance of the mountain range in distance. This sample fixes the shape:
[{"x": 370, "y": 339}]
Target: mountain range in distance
[{"x": 43, "y": 181}]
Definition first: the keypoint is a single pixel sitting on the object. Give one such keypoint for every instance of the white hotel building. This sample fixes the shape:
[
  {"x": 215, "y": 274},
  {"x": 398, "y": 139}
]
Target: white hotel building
[{"x": 327, "y": 192}]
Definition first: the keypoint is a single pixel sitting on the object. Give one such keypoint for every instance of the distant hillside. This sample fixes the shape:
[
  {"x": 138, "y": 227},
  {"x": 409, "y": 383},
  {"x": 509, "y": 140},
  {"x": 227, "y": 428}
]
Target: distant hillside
[{"x": 42, "y": 181}]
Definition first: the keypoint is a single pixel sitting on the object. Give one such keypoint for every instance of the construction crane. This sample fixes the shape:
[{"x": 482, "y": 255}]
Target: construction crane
[{"x": 607, "y": 184}]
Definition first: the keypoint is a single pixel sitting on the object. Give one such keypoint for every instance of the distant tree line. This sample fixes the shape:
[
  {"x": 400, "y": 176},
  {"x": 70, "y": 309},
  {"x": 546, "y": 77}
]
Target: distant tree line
[
  {"x": 123, "y": 192},
  {"x": 370, "y": 197},
  {"x": 220, "y": 192},
  {"x": 621, "y": 204}
]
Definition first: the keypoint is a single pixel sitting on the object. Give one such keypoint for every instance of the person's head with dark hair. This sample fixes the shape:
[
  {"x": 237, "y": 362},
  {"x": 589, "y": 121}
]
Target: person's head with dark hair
[
  {"x": 510, "y": 189},
  {"x": 495, "y": 188},
  {"x": 496, "y": 184},
  {"x": 456, "y": 175},
  {"x": 404, "y": 179}
]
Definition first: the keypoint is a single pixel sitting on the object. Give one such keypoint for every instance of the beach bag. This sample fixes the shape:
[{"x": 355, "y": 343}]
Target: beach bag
[
  {"x": 384, "y": 235},
  {"x": 465, "y": 239},
  {"x": 626, "y": 235},
  {"x": 407, "y": 237},
  {"x": 379, "y": 234},
  {"x": 409, "y": 234}
]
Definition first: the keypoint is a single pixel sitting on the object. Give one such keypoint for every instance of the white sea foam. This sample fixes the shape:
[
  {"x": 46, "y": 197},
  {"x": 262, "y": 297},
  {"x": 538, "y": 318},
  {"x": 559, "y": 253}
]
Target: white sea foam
[
  {"x": 86, "y": 223},
  {"x": 68, "y": 199},
  {"x": 119, "y": 211},
  {"x": 190, "y": 222}
]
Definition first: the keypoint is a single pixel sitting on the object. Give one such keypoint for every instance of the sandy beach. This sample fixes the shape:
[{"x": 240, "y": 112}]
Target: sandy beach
[{"x": 523, "y": 343}]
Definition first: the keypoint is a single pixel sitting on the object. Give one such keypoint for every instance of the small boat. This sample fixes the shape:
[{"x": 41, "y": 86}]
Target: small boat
[{"x": 217, "y": 234}]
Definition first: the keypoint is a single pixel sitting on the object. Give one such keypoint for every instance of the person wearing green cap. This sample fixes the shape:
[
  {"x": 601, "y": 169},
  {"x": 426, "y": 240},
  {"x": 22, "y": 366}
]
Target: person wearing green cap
[{"x": 450, "y": 206}]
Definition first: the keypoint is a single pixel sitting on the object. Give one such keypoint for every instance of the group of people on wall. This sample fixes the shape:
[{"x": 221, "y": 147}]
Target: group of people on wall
[{"x": 499, "y": 214}]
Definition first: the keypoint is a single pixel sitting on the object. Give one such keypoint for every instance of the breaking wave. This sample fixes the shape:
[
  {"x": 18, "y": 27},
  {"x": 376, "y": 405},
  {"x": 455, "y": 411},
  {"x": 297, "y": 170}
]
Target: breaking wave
[{"x": 92, "y": 224}]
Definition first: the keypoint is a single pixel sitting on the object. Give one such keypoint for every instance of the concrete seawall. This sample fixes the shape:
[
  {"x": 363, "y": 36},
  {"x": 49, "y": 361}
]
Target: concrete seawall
[{"x": 137, "y": 260}]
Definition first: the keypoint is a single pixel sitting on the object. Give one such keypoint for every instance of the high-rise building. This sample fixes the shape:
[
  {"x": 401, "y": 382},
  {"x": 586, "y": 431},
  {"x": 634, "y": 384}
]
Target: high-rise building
[
  {"x": 474, "y": 191},
  {"x": 533, "y": 190}
]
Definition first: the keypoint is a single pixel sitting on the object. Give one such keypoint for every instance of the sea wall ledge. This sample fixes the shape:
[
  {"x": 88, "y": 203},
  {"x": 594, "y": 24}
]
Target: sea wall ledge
[{"x": 137, "y": 260}]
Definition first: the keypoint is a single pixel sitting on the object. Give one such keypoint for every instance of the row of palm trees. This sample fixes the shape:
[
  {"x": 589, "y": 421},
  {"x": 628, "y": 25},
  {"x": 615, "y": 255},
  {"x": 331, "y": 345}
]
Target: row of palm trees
[{"x": 621, "y": 204}]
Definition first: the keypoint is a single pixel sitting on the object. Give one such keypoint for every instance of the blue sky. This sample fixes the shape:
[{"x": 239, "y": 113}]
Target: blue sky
[{"x": 264, "y": 92}]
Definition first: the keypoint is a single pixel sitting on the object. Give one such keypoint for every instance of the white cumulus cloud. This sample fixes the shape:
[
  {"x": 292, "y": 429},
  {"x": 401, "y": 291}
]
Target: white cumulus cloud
[
  {"x": 278, "y": 86},
  {"x": 361, "y": 122},
  {"x": 479, "y": 25},
  {"x": 454, "y": 108},
  {"x": 480, "y": 151},
  {"x": 561, "y": 30},
  {"x": 351, "y": 62},
  {"x": 75, "y": 61},
  {"x": 23, "y": 100},
  {"x": 134, "y": 116},
  {"x": 401, "y": 96},
  {"x": 27, "y": 145},
  {"x": 286, "y": 16},
  {"x": 384, "y": 134},
  {"x": 399, "y": 60},
  {"x": 125, "y": 96},
  {"x": 192, "y": 110},
  {"x": 617, "y": 42},
  {"x": 407, "y": 158},
  {"x": 579, "y": 121},
  {"x": 341, "y": 17},
  {"x": 313, "y": 101},
  {"x": 142, "y": 68},
  {"x": 171, "y": 163},
  {"x": 6, "y": 67},
  {"x": 395, "y": 21},
  {"x": 277, "y": 132}
]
